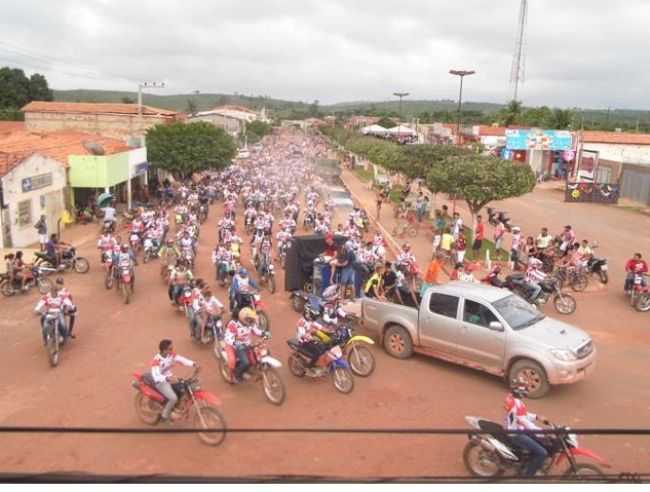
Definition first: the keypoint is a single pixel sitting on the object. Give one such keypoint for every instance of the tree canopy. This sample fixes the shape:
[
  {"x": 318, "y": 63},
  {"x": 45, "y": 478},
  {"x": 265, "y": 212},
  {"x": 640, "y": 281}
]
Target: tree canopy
[
  {"x": 183, "y": 149},
  {"x": 256, "y": 130},
  {"x": 480, "y": 179},
  {"x": 16, "y": 89}
]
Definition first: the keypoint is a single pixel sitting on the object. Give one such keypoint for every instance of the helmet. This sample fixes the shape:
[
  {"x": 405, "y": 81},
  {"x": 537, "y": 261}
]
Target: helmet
[
  {"x": 331, "y": 293},
  {"x": 516, "y": 229},
  {"x": 534, "y": 263},
  {"x": 247, "y": 314},
  {"x": 243, "y": 272},
  {"x": 124, "y": 248},
  {"x": 518, "y": 391},
  {"x": 406, "y": 247}
]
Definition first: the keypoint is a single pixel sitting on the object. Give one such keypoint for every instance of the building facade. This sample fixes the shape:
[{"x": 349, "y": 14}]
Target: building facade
[{"x": 108, "y": 119}]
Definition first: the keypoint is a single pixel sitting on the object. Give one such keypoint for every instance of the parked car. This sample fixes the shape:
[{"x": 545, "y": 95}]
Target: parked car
[
  {"x": 485, "y": 328},
  {"x": 243, "y": 154}
]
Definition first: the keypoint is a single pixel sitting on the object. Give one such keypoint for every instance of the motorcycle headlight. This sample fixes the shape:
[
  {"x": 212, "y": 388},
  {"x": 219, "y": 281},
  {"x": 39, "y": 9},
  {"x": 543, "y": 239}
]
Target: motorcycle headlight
[
  {"x": 564, "y": 355},
  {"x": 572, "y": 440}
]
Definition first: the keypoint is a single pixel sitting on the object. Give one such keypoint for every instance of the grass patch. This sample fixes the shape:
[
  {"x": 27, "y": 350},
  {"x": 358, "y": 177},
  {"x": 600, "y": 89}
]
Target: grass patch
[
  {"x": 486, "y": 245},
  {"x": 363, "y": 175},
  {"x": 395, "y": 193}
]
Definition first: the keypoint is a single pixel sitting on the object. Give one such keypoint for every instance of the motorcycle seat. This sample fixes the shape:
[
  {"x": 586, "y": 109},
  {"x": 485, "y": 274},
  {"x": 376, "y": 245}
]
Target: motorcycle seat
[{"x": 293, "y": 343}]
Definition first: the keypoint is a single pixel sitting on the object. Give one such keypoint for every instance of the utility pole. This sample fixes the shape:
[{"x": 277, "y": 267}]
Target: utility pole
[
  {"x": 462, "y": 74},
  {"x": 400, "y": 95},
  {"x": 517, "y": 72},
  {"x": 147, "y": 85}
]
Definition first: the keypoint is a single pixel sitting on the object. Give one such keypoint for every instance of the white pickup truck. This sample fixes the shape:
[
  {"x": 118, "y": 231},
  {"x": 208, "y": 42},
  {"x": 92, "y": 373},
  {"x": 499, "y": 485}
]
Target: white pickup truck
[{"x": 485, "y": 328}]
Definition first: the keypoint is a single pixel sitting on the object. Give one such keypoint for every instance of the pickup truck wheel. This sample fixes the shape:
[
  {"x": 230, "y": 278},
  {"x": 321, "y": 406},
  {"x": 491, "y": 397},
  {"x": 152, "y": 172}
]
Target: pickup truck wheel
[
  {"x": 533, "y": 375},
  {"x": 398, "y": 343}
]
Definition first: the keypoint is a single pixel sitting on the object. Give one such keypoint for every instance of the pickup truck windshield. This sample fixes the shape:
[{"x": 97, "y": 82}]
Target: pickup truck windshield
[
  {"x": 517, "y": 312},
  {"x": 339, "y": 194}
]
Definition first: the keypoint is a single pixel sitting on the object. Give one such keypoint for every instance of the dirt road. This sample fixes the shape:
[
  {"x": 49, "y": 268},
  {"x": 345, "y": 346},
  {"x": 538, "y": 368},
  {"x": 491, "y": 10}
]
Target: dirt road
[{"x": 91, "y": 387}]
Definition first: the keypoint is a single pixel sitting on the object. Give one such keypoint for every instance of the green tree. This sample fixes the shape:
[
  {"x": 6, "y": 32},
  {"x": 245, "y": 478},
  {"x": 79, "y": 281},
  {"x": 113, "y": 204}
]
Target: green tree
[
  {"x": 313, "y": 109},
  {"x": 127, "y": 100},
  {"x": 511, "y": 114},
  {"x": 191, "y": 107},
  {"x": 560, "y": 119},
  {"x": 480, "y": 179},
  {"x": 14, "y": 88},
  {"x": 38, "y": 88},
  {"x": 386, "y": 122},
  {"x": 183, "y": 149},
  {"x": 256, "y": 130}
]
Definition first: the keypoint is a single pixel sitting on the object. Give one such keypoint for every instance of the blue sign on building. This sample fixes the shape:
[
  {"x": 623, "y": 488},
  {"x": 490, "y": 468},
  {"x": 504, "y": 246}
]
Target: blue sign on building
[
  {"x": 141, "y": 168},
  {"x": 539, "y": 140}
]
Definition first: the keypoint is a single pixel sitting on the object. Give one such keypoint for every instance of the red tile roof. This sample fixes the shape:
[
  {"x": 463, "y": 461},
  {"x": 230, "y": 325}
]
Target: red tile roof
[
  {"x": 56, "y": 145},
  {"x": 491, "y": 131},
  {"x": 8, "y": 162},
  {"x": 94, "y": 108},
  {"x": 617, "y": 138},
  {"x": 7, "y": 127}
]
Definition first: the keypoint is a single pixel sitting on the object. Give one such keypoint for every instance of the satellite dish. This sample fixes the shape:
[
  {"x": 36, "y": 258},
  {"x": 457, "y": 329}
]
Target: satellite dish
[{"x": 94, "y": 148}]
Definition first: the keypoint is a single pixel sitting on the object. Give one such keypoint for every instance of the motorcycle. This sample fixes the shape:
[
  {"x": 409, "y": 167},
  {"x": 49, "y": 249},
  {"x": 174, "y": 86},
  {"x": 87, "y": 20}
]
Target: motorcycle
[
  {"x": 187, "y": 254},
  {"x": 252, "y": 299},
  {"x": 194, "y": 404},
  {"x": 598, "y": 266},
  {"x": 495, "y": 217},
  {"x": 309, "y": 220},
  {"x": 577, "y": 278},
  {"x": 125, "y": 284},
  {"x": 9, "y": 288},
  {"x": 491, "y": 455},
  {"x": 109, "y": 270},
  {"x": 203, "y": 213},
  {"x": 284, "y": 249},
  {"x": 53, "y": 338},
  {"x": 562, "y": 302},
  {"x": 108, "y": 226},
  {"x": 331, "y": 363},
  {"x": 69, "y": 261},
  {"x": 266, "y": 270},
  {"x": 355, "y": 351},
  {"x": 249, "y": 225},
  {"x": 136, "y": 243},
  {"x": 640, "y": 293},
  {"x": 263, "y": 367},
  {"x": 151, "y": 248}
]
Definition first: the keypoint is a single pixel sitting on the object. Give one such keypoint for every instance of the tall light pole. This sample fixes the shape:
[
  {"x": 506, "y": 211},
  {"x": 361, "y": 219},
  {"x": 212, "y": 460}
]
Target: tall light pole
[
  {"x": 401, "y": 95},
  {"x": 147, "y": 85},
  {"x": 462, "y": 74}
]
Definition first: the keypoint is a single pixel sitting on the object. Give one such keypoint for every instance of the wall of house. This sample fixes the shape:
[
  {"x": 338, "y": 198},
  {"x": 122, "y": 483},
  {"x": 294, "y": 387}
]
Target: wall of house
[
  {"x": 636, "y": 154},
  {"x": 25, "y": 206},
  {"x": 116, "y": 126},
  {"x": 94, "y": 171},
  {"x": 231, "y": 125}
]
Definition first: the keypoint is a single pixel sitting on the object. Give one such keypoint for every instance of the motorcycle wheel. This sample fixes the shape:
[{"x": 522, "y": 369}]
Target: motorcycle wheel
[
  {"x": 343, "y": 380},
  {"x": 264, "y": 321},
  {"x": 53, "y": 349},
  {"x": 209, "y": 418},
  {"x": 298, "y": 304},
  {"x": 604, "y": 277},
  {"x": 643, "y": 303},
  {"x": 126, "y": 293},
  {"x": 296, "y": 366},
  {"x": 148, "y": 410},
  {"x": 108, "y": 281},
  {"x": 6, "y": 289},
  {"x": 565, "y": 304},
  {"x": 580, "y": 283},
  {"x": 224, "y": 370},
  {"x": 272, "y": 284},
  {"x": 81, "y": 265},
  {"x": 146, "y": 257},
  {"x": 44, "y": 285},
  {"x": 481, "y": 462},
  {"x": 584, "y": 470},
  {"x": 273, "y": 386},
  {"x": 361, "y": 360}
]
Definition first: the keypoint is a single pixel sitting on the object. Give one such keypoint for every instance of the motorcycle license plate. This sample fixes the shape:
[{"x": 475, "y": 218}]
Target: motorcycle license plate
[{"x": 637, "y": 281}]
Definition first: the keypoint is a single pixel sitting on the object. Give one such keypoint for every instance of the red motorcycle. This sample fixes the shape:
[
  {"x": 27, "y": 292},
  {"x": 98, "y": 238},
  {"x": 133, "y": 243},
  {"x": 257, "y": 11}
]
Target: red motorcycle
[
  {"x": 125, "y": 284},
  {"x": 109, "y": 270},
  {"x": 640, "y": 293},
  {"x": 194, "y": 404}
]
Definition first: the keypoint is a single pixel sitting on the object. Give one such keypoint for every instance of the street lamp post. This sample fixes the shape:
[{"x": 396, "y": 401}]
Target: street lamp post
[
  {"x": 148, "y": 85},
  {"x": 401, "y": 95},
  {"x": 462, "y": 74}
]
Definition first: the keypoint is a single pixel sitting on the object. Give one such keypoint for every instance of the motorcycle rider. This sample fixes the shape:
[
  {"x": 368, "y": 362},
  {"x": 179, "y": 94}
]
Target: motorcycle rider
[
  {"x": 310, "y": 344},
  {"x": 534, "y": 275},
  {"x": 179, "y": 277},
  {"x": 636, "y": 265},
  {"x": 53, "y": 303},
  {"x": 106, "y": 245},
  {"x": 238, "y": 339},
  {"x": 568, "y": 237},
  {"x": 161, "y": 373},
  {"x": 69, "y": 309},
  {"x": 169, "y": 255},
  {"x": 240, "y": 281},
  {"x": 519, "y": 418},
  {"x": 126, "y": 259}
]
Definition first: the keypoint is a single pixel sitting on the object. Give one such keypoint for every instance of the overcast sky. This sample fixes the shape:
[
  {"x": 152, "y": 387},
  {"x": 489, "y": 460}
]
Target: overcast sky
[{"x": 585, "y": 53}]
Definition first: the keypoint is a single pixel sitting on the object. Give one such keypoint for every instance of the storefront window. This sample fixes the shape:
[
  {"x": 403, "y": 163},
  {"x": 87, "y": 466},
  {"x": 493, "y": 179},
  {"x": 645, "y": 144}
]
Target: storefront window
[{"x": 25, "y": 213}]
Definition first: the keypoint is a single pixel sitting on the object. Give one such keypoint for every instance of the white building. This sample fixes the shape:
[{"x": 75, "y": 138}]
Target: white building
[
  {"x": 632, "y": 148},
  {"x": 32, "y": 186}
]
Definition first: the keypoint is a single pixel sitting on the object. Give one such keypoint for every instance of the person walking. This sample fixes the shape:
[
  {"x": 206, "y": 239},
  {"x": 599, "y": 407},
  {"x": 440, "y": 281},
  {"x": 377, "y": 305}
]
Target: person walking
[
  {"x": 41, "y": 229},
  {"x": 479, "y": 235},
  {"x": 381, "y": 197}
]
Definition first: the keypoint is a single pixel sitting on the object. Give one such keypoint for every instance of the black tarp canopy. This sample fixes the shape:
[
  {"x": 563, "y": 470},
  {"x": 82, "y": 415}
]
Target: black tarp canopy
[{"x": 300, "y": 259}]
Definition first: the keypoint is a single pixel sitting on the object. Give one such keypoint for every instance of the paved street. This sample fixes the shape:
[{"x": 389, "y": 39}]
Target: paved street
[{"x": 91, "y": 387}]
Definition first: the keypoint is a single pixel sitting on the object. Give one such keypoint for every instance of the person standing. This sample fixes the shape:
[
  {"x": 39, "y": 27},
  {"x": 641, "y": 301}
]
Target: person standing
[
  {"x": 515, "y": 248},
  {"x": 499, "y": 232},
  {"x": 381, "y": 197},
  {"x": 41, "y": 229}
]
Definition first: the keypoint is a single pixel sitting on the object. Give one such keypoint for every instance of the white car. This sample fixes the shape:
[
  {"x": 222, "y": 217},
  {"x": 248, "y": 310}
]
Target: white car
[
  {"x": 340, "y": 197},
  {"x": 243, "y": 154}
]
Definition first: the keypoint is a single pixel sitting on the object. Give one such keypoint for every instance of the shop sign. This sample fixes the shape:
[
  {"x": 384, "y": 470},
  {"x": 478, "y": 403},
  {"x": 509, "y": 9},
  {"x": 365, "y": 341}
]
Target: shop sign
[
  {"x": 36, "y": 182},
  {"x": 539, "y": 140},
  {"x": 141, "y": 168}
]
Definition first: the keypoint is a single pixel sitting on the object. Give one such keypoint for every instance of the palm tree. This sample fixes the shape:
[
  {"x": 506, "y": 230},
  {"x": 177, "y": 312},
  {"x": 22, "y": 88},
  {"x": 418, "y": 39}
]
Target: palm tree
[{"x": 511, "y": 114}]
